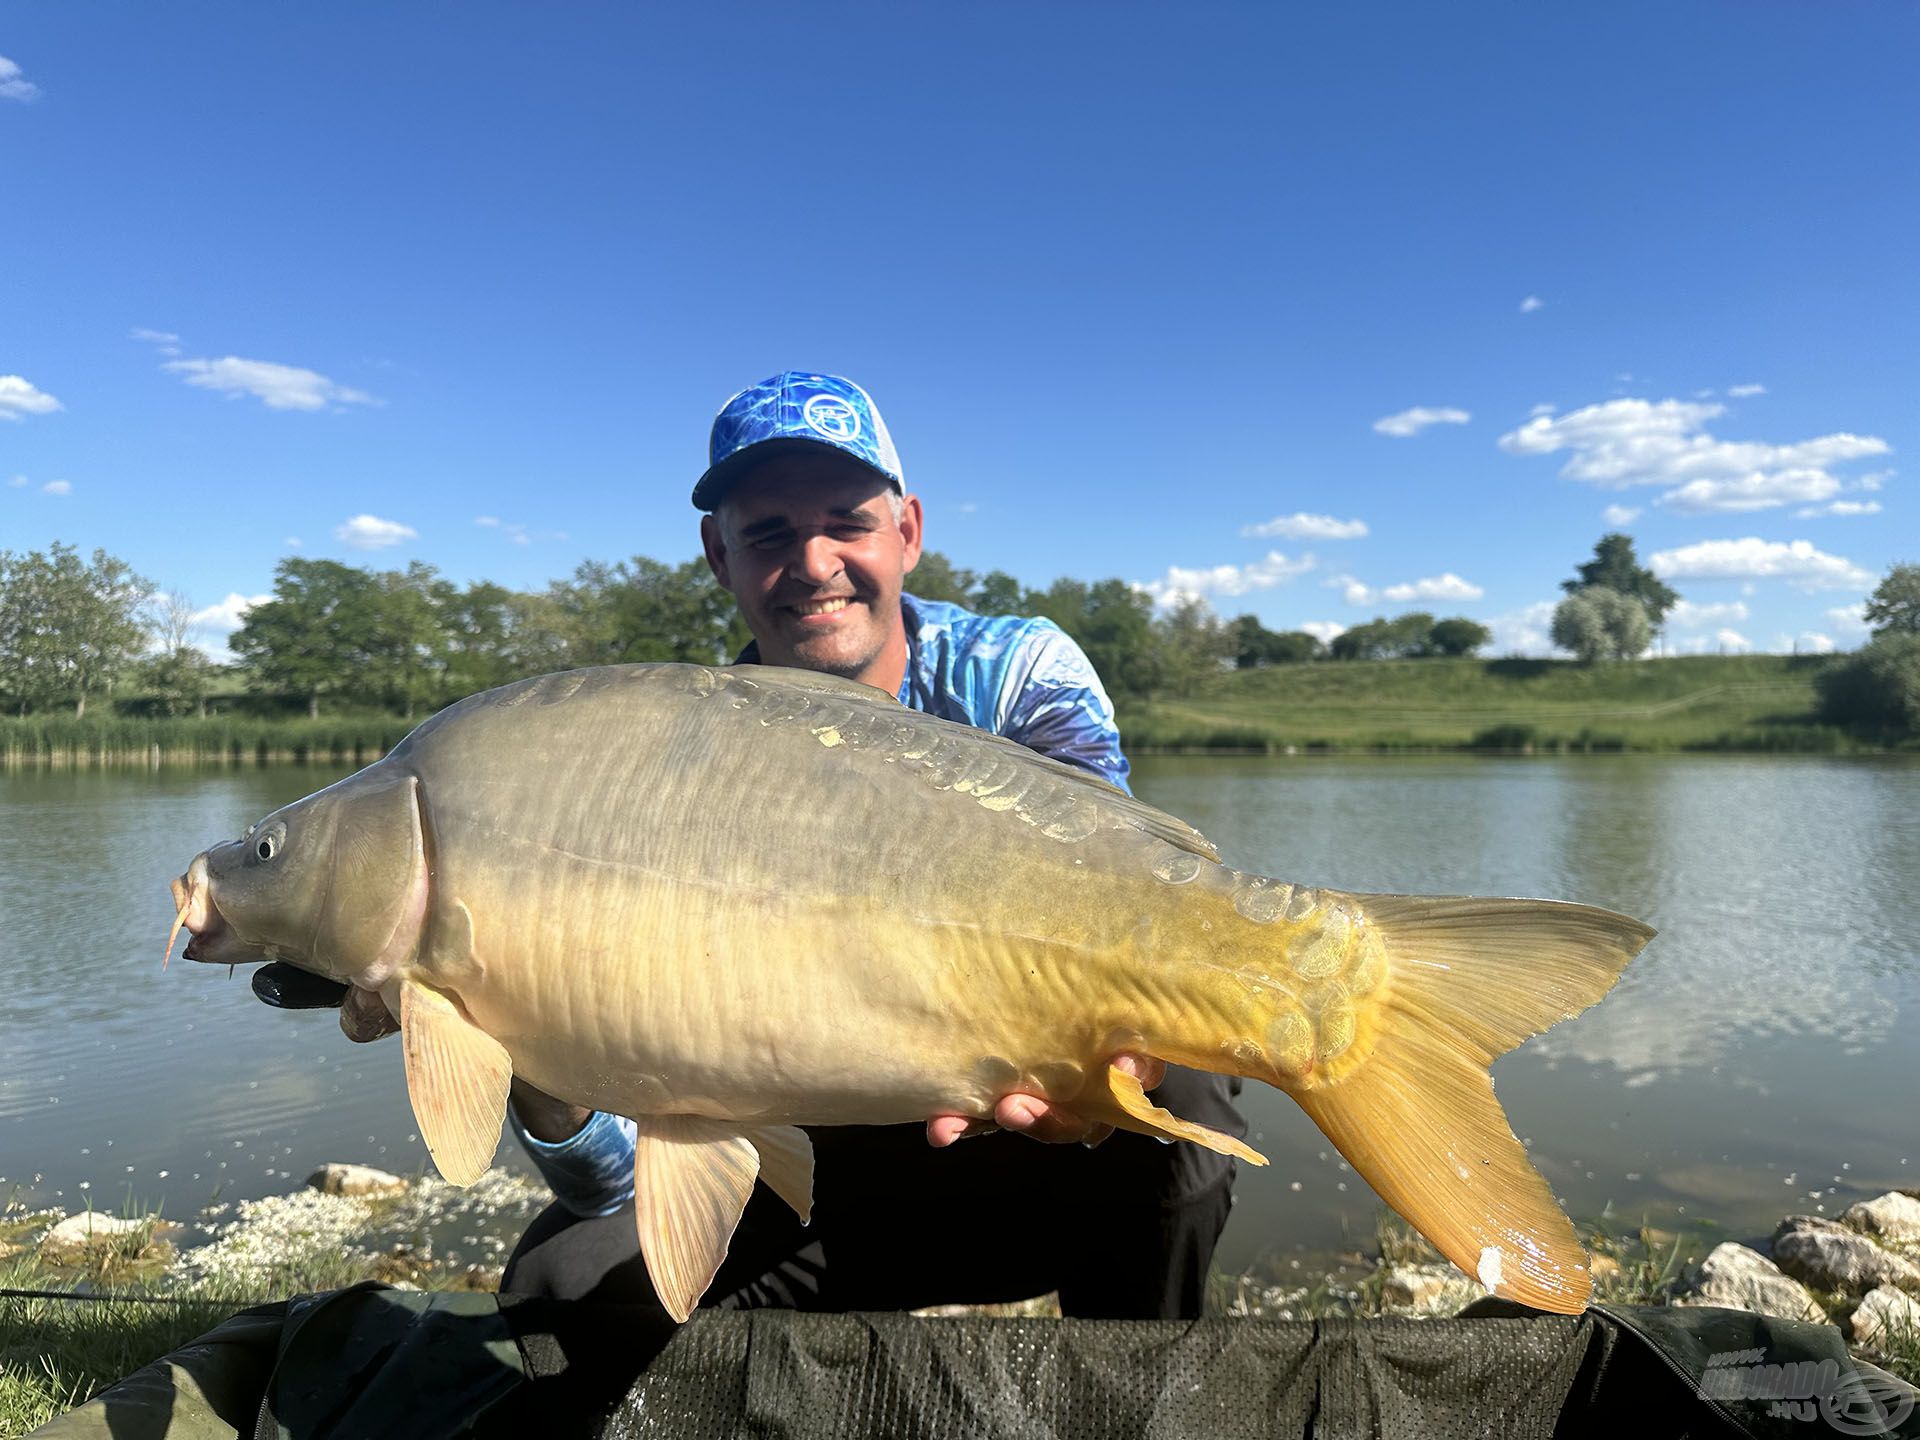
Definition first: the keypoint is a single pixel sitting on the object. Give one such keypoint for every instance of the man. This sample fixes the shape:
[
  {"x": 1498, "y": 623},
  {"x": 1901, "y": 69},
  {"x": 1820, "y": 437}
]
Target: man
[{"x": 809, "y": 526}]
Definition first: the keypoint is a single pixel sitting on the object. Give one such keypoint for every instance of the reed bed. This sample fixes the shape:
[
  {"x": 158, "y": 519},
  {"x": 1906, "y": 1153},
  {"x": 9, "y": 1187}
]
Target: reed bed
[{"x": 117, "y": 740}]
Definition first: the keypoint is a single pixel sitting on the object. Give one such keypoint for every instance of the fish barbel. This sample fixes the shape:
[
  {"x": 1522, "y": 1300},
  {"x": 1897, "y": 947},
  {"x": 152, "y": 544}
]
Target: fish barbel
[{"x": 728, "y": 903}]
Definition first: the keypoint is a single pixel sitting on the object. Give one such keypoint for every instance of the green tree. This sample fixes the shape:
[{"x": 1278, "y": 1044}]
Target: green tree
[
  {"x": 937, "y": 578},
  {"x": 1459, "y": 636},
  {"x": 1252, "y": 644},
  {"x": 177, "y": 675},
  {"x": 1877, "y": 687},
  {"x": 1410, "y": 634},
  {"x": 1894, "y": 606},
  {"x": 1614, "y": 567},
  {"x": 1191, "y": 644},
  {"x": 1597, "y": 624},
  {"x": 313, "y": 636},
  {"x": 998, "y": 593},
  {"x": 1366, "y": 641},
  {"x": 68, "y": 627}
]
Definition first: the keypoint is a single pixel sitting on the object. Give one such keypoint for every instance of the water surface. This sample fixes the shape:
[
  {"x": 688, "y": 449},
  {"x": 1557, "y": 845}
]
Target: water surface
[{"x": 1759, "y": 1058}]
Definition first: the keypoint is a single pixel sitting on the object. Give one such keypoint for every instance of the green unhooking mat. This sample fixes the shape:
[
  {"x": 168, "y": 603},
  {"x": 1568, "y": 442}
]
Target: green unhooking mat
[{"x": 369, "y": 1362}]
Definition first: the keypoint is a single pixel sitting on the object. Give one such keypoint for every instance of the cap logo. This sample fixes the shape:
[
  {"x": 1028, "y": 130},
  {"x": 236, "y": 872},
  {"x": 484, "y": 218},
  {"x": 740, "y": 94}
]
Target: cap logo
[{"x": 832, "y": 417}]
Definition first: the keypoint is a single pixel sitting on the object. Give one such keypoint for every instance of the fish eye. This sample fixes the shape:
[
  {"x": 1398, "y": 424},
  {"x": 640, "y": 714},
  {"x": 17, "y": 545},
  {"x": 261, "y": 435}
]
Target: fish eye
[{"x": 265, "y": 848}]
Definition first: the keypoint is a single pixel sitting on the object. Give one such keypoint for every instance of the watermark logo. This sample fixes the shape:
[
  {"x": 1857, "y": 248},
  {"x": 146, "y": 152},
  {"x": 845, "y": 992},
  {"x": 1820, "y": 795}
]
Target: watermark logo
[
  {"x": 832, "y": 417},
  {"x": 1850, "y": 1403}
]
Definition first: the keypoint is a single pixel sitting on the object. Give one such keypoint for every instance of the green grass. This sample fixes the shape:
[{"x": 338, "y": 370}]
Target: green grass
[{"x": 1744, "y": 703}]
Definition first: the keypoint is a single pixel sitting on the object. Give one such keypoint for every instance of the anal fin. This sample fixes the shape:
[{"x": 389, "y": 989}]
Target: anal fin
[
  {"x": 457, "y": 1079},
  {"x": 1142, "y": 1115},
  {"x": 786, "y": 1165},
  {"x": 692, "y": 1178}
]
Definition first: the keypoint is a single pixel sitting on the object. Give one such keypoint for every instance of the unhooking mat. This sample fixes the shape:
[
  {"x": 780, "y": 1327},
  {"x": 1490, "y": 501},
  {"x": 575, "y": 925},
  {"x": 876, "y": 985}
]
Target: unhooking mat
[{"x": 370, "y": 1362}]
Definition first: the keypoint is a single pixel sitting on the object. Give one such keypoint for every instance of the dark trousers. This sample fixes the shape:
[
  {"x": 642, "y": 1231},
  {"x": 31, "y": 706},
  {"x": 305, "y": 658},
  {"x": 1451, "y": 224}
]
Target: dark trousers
[{"x": 1126, "y": 1231}]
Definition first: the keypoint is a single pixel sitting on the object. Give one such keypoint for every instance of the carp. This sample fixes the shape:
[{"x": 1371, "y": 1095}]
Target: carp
[{"x": 732, "y": 902}]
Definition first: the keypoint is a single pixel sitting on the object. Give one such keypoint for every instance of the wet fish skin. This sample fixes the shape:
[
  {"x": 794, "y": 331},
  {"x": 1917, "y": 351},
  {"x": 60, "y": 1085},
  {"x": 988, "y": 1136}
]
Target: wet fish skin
[{"x": 731, "y": 902}]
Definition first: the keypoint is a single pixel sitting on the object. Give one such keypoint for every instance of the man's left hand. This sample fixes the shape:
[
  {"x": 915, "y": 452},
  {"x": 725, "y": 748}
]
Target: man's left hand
[{"x": 1042, "y": 1119}]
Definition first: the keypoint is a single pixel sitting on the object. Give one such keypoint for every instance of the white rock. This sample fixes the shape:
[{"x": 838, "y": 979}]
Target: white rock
[
  {"x": 1832, "y": 1257},
  {"x": 1894, "y": 1216},
  {"x": 1428, "y": 1290},
  {"x": 340, "y": 1179},
  {"x": 1884, "y": 1315},
  {"x": 77, "y": 1232},
  {"x": 1737, "y": 1278}
]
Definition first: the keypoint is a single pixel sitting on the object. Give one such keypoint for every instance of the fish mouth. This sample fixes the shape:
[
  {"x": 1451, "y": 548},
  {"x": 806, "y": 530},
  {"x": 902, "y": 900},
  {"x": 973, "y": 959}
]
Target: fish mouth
[{"x": 210, "y": 940}]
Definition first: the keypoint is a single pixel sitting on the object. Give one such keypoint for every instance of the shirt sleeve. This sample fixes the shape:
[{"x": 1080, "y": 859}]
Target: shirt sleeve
[
  {"x": 1060, "y": 708},
  {"x": 590, "y": 1173}
]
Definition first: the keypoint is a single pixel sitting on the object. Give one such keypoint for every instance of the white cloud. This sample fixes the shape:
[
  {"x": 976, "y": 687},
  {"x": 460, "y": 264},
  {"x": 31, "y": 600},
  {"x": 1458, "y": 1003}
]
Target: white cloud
[
  {"x": 1839, "y": 508},
  {"x": 1302, "y": 526},
  {"x": 292, "y": 542},
  {"x": 1620, "y": 514},
  {"x": 1412, "y": 422},
  {"x": 279, "y": 387},
  {"x": 1758, "y": 491},
  {"x": 1741, "y": 392},
  {"x": 516, "y": 532},
  {"x": 217, "y": 622},
  {"x": 1851, "y": 618},
  {"x": 1622, "y": 443},
  {"x": 1524, "y": 631},
  {"x": 1754, "y": 559},
  {"x": 165, "y": 341},
  {"x": 1807, "y": 642},
  {"x": 17, "y": 481},
  {"x": 370, "y": 532},
  {"x": 1325, "y": 631},
  {"x": 1543, "y": 408},
  {"x": 14, "y": 85},
  {"x": 1685, "y": 615},
  {"x": 57, "y": 487},
  {"x": 1877, "y": 479},
  {"x": 226, "y": 617},
  {"x": 1180, "y": 583},
  {"x": 19, "y": 396},
  {"x": 1531, "y": 304},
  {"x": 1732, "y": 640},
  {"x": 966, "y": 507},
  {"x": 1439, "y": 587}
]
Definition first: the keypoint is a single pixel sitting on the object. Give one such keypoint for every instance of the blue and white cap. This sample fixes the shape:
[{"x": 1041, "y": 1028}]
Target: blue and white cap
[{"x": 792, "y": 411}]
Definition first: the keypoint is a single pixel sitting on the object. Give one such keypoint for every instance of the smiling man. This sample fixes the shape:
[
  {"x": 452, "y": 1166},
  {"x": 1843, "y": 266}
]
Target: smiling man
[{"x": 808, "y": 524}]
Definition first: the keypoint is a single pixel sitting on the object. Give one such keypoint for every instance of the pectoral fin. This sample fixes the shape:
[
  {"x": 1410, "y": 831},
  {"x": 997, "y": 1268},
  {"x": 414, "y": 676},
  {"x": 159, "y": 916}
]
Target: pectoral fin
[
  {"x": 1141, "y": 1114},
  {"x": 786, "y": 1164},
  {"x": 457, "y": 1078},
  {"x": 691, "y": 1181}
]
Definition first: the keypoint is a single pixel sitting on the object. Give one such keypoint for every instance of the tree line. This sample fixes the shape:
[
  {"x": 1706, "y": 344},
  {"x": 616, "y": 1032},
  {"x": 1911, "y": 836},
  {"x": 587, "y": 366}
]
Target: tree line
[{"x": 410, "y": 640}]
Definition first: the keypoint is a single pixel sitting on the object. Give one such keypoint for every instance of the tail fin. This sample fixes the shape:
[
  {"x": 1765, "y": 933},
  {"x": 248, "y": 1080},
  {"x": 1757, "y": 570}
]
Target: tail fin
[{"x": 1471, "y": 979}]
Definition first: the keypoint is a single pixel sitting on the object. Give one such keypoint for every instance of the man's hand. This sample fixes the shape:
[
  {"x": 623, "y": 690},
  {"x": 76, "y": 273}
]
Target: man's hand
[{"x": 1041, "y": 1119}]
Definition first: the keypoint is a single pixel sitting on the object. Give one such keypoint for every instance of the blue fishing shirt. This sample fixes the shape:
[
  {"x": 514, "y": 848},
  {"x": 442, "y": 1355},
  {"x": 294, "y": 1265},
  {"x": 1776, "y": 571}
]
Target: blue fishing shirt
[{"x": 1016, "y": 676}]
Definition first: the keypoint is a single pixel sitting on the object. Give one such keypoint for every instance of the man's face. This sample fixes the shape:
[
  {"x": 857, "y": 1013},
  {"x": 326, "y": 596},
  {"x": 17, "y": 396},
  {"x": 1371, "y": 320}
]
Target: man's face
[{"x": 810, "y": 549}]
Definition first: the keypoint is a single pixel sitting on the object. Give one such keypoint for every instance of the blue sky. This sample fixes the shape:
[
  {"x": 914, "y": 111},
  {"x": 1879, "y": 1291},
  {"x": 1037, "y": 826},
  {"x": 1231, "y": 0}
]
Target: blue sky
[{"x": 1324, "y": 312}]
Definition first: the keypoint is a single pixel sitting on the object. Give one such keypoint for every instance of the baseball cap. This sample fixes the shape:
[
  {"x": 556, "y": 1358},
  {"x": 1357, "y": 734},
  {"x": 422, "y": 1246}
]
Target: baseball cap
[{"x": 795, "y": 410}]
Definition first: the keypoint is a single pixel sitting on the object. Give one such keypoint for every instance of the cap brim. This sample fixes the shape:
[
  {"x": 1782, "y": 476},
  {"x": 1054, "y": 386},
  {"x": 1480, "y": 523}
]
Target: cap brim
[{"x": 711, "y": 488}]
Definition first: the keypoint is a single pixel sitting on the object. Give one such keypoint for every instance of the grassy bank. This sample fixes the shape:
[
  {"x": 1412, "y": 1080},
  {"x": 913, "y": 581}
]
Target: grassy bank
[
  {"x": 1737, "y": 703},
  {"x": 1704, "y": 702}
]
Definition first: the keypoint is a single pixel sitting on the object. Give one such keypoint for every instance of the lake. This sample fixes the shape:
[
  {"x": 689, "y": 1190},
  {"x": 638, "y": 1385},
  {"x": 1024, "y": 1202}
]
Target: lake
[{"x": 1758, "y": 1059}]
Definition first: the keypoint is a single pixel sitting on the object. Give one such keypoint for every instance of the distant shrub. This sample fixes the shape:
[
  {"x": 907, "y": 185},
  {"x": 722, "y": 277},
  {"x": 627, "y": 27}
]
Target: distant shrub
[
  {"x": 1506, "y": 737},
  {"x": 1875, "y": 688}
]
